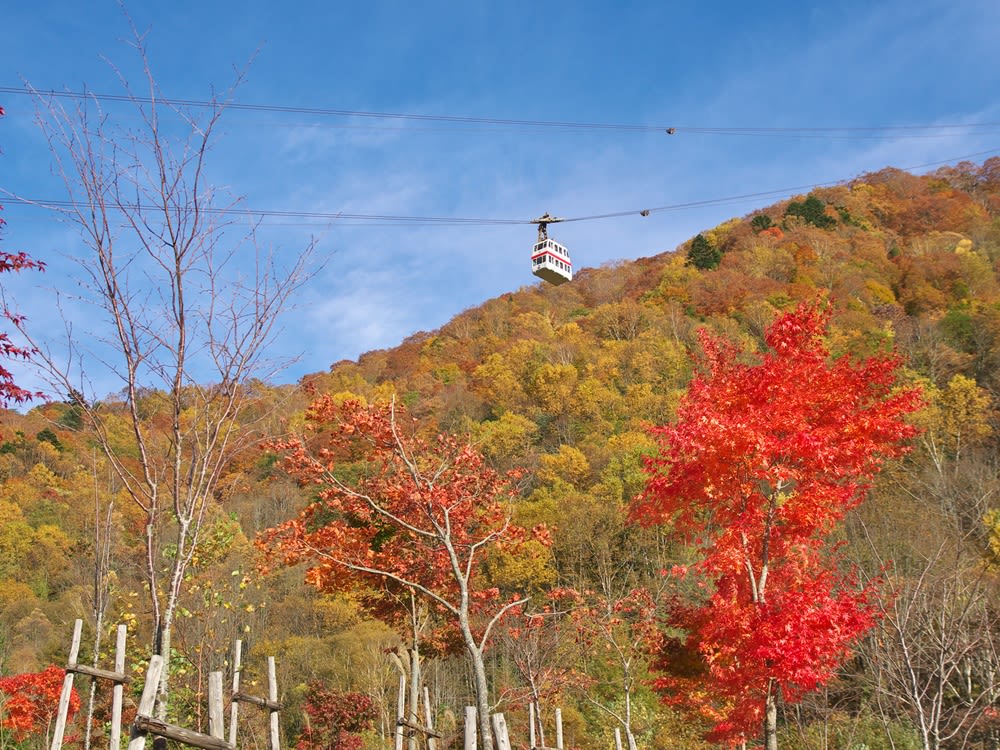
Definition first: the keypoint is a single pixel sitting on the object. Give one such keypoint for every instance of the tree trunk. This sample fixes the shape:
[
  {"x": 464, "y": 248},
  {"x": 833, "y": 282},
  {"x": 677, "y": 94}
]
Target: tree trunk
[
  {"x": 164, "y": 690},
  {"x": 481, "y": 685},
  {"x": 627, "y": 689},
  {"x": 771, "y": 719},
  {"x": 414, "y": 692}
]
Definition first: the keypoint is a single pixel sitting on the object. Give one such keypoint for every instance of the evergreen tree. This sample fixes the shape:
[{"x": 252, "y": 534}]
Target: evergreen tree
[
  {"x": 702, "y": 254},
  {"x": 812, "y": 211}
]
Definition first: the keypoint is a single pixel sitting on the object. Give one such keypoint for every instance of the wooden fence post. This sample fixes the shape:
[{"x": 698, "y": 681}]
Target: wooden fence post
[
  {"x": 67, "y": 688},
  {"x": 216, "y": 723},
  {"x": 428, "y": 719},
  {"x": 471, "y": 728},
  {"x": 115, "y": 740},
  {"x": 500, "y": 735},
  {"x": 400, "y": 711},
  {"x": 272, "y": 695},
  {"x": 234, "y": 705},
  {"x": 137, "y": 739}
]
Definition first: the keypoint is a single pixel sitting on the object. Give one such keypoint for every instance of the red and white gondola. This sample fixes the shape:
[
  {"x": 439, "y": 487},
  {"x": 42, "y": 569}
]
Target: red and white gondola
[{"x": 550, "y": 260}]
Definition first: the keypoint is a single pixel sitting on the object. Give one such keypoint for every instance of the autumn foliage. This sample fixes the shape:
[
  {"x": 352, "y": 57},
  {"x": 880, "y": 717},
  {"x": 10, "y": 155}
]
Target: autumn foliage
[
  {"x": 765, "y": 458},
  {"x": 29, "y": 701},
  {"x": 10, "y": 391},
  {"x": 394, "y": 512},
  {"x": 400, "y": 518},
  {"x": 563, "y": 381},
  {"x": 334, "y": 719}
]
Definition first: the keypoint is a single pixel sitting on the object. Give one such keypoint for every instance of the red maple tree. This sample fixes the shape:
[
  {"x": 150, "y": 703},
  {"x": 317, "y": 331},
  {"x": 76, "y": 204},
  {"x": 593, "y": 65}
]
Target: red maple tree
[
  {"x": 29, "y": 701},
  {"x": 10, "y": 391},
  {"x": 765, "y": 458},
  {"x": 397, "y": 514}
]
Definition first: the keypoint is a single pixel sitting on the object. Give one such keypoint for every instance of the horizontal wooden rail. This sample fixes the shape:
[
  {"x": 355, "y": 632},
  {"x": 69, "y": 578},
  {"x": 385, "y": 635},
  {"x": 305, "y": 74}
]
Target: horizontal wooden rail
[
  {"x": 417, "y": 728},
  {"x": 254, "y": 700},
  {"x": 180, "y": 734},
  {"x": 103, "y": 674}
]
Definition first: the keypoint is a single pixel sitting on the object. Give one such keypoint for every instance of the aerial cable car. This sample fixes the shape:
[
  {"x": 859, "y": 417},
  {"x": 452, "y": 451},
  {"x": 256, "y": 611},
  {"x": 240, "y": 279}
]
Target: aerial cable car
[{"x": 549, "y": 259}]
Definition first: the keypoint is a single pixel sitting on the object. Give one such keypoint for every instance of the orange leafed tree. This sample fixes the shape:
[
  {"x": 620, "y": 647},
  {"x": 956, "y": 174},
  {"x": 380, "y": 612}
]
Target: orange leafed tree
[
  {"x": 397, "y": 514},
  {"x": 765, "y": 458},
  {"x": 28, "y": 702}
]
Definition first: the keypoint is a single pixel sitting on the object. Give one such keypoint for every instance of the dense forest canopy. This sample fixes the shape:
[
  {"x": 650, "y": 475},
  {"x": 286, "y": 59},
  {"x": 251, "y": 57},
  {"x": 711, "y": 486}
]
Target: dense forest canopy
[{"x": 563, "y": 385}]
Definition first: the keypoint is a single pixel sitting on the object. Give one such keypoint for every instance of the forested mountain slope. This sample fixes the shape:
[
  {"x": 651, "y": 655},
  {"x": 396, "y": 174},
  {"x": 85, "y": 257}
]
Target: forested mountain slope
[{"x": 565, "y": 382}]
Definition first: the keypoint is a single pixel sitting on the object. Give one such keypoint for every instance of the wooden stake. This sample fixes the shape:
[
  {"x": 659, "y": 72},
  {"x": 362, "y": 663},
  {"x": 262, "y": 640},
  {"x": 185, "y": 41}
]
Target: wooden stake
[
  {"x": 559, "y": 733},
  {"x": 272, "y": 695},
  {"x": 471, "y": 729},
  {"x": 431, "y": 743},
  {"x": 67, "y": 689},
  {"x": 500, "y": 735},
  {"x": 115, "y": 741},
  {"x": 400, "y": 710},
  {"x": 531, "y": 726},
  {"x": 137, "y": 741},
  {"x": 234, "y": 706},
  {"x": 216, "y": 722},
  {"x": 618, "y": 738}
]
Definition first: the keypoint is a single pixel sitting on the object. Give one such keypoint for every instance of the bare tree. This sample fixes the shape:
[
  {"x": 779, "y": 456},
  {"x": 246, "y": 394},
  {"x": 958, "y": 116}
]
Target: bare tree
[
  {"x": 934, "y": 655},
  {"x": 185, "y": 317}
]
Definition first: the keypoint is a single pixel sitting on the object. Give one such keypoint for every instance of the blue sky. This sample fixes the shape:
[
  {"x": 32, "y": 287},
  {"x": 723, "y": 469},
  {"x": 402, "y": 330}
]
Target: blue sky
[{"x": 688, "y": 65}]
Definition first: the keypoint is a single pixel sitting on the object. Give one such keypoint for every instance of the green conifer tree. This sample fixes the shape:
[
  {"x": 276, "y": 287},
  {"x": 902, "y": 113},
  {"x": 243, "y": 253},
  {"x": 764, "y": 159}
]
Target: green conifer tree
[{"x": 702, "y": 254}]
